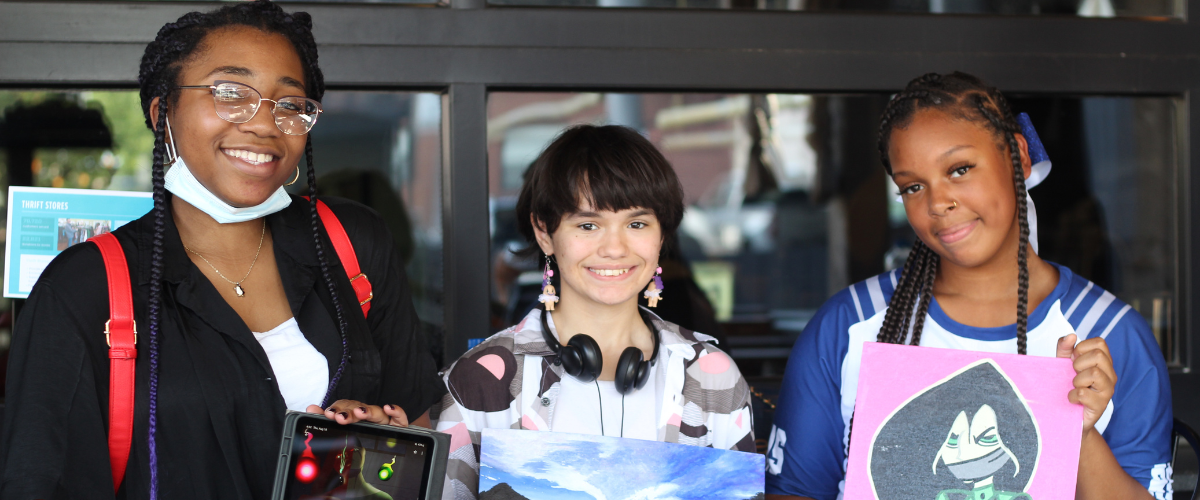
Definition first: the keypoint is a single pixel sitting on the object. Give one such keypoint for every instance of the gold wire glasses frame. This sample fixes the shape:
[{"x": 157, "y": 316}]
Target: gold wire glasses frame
[{"x": 238, "y": 103}]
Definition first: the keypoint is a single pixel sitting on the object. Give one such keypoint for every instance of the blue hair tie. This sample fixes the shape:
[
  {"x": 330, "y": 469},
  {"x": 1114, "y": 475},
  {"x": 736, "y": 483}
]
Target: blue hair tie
[{"x": 1037, "y": 152}]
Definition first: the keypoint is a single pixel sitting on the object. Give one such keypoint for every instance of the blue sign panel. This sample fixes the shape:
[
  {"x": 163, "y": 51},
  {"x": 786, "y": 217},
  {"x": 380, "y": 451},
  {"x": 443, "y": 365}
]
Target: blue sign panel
[{"x": 42, "y": 222}]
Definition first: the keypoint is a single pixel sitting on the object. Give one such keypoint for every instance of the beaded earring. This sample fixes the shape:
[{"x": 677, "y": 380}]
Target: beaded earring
[
  {"x": 654, "y": 290},
  {"x": 548, "y": 297}
]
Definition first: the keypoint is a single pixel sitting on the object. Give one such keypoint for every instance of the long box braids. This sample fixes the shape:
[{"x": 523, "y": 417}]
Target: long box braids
[
  {"x": 158, "y": 79},
  {"x": 966, "y": 97}
]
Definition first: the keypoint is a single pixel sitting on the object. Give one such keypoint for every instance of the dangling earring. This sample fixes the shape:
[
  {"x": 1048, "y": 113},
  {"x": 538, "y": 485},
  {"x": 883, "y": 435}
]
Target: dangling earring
[
  {"x": 654, "y": 290},
  {"x": 172, "y": 155},
  {"x": 296, "y": 178},
  {"x": 548, "y": 296}
]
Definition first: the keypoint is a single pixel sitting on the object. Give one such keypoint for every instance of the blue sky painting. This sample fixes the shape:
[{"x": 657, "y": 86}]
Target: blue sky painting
[{"x": 542, "y": 465}]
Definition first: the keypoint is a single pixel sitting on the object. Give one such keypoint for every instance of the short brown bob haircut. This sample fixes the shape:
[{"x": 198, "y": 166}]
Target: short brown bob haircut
[{"x": 611, "y": 167}]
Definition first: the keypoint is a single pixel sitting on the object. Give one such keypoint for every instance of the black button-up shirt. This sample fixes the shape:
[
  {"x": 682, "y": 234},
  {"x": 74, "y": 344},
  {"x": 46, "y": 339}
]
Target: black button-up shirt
[{"x": 219, "y": 410}]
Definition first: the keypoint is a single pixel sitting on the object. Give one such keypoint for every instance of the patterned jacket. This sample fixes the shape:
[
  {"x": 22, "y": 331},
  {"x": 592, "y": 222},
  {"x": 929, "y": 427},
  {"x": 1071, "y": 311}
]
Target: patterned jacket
[{"x": 510, "y": 381}]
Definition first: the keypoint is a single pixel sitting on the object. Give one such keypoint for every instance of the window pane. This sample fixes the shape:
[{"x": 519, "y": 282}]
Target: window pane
[
  {"x": 1150, "y": 9},
  {"x": 383, "y": 149},
  {"x": 380, "y": 148},
  {"x": 787, "y": 202}
]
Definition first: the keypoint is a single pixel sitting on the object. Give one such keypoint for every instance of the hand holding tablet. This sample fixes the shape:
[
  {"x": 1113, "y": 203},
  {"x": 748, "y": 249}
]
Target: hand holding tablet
[
  {"x": 348, "y": 411},
  {"x": 321, "y": 458}
]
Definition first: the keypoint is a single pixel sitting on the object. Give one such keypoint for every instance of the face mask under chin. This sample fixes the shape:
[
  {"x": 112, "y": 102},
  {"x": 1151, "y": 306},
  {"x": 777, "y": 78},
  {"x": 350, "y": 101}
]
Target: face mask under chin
[{"x": 180, "y": 182}]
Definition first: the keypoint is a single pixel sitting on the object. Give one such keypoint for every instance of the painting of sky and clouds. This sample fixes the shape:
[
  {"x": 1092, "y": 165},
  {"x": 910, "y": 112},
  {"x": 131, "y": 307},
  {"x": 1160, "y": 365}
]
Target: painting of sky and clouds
[{"x": 534, "y": 465}]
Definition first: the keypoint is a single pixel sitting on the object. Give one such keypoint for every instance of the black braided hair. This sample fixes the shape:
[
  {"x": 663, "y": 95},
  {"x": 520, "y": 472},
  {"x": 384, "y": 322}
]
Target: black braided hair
[
  {"x": 158, "y": 78},
  {"x": 969, "y": 98}
]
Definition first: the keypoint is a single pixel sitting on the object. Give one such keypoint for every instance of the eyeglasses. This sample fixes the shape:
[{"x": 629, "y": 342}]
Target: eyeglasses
[{"x": 238, "y": 103}]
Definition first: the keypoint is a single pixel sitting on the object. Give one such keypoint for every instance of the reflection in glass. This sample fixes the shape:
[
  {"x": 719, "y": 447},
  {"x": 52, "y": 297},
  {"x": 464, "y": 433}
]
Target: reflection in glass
[
  {"x": 787, "y": 202},
  {"x": 409, "y": 2},
  {"x": 1152, "y": 9},
  {"x": 383, "y": 149}
]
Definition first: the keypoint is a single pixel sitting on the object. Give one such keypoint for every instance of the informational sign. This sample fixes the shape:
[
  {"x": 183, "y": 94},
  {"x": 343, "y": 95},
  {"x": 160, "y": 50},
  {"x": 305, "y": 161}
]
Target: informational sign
[
  {"x": 961, "y": 424},
  {"x": 42, "y": 222},
  {"x": 534, "y": 465}
]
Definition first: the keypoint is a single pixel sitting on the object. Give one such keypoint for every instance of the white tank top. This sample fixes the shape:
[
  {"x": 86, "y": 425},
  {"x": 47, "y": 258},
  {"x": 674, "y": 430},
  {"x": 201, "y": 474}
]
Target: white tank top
[{"x": 301, "y": 371}]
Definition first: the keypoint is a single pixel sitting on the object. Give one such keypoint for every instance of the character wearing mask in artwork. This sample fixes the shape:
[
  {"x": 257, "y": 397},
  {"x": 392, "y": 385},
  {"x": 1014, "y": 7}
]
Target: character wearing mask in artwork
[
  {"x": 974, "y": 452},
  {"x": 977, "y": 429}
]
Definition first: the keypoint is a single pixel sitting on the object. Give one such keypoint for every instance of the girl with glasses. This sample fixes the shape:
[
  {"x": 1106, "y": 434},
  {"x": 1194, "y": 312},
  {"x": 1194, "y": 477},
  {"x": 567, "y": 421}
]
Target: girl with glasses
[{"x": 242, "y": 308}]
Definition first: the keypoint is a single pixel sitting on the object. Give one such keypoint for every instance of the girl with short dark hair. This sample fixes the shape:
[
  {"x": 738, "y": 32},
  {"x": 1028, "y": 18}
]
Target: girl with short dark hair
[{"x": 598, "y": 204}]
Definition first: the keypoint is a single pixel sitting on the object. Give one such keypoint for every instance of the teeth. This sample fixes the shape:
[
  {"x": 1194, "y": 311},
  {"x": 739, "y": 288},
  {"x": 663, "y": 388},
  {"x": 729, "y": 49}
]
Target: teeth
[
  {"x": 609, "y": 272},
  {"x": 249, "y": 157}
]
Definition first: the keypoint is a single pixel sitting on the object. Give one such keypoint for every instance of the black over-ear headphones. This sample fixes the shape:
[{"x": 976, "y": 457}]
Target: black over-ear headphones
[{"x": 581, "y": 357}]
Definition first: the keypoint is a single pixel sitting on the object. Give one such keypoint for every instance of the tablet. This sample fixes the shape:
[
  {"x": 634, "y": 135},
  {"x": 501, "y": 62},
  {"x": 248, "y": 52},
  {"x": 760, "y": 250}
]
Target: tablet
[{"x": 321, "y": 459}]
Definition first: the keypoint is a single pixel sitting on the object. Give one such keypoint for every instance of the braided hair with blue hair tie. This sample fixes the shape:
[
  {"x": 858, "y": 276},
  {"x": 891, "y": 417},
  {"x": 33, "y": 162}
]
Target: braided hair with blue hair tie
[{"x": 968, "y": 98}]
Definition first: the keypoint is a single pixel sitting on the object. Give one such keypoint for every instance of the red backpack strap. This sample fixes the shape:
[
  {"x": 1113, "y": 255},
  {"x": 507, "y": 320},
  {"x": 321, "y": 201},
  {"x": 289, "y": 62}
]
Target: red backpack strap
[
  {"x": 120, "y": 332},
  {"x": 345, "y": 253}
]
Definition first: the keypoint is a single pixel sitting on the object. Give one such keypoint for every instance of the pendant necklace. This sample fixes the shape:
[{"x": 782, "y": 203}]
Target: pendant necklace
[{"x": 237, "y": 285}]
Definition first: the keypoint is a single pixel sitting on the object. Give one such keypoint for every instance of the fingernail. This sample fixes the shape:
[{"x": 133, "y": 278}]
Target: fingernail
[
  {"x": 362, "y": 409},
  {"x": 387, "y": 407},
  {"x": 344, "y": 415}
]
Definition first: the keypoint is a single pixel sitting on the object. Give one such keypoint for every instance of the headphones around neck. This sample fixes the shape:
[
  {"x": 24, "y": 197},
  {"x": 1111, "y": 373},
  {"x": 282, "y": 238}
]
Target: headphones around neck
[{"x": 581, "y": 357}]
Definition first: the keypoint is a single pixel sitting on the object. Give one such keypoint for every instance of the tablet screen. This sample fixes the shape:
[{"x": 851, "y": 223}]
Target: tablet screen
[{"x": 334, "y": 462}]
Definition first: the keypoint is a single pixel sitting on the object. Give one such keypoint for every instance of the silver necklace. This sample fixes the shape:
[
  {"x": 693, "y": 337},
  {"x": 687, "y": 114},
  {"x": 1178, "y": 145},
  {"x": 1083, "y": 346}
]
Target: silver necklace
[{"x": 237, "y": 285}]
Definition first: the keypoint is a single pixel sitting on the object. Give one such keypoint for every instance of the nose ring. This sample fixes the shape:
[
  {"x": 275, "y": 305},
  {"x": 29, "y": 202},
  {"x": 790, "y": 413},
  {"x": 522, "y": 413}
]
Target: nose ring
[{"x": 955, "y": 204}]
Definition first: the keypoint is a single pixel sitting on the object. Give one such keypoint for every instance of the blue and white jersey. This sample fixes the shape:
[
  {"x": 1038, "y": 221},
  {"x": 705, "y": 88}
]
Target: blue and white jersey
[{"x": 808, "y": 444}]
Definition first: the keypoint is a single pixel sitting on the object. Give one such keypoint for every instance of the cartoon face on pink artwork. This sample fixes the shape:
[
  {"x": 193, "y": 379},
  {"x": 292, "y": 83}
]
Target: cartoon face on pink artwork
[{"x": 962, "y": 425}]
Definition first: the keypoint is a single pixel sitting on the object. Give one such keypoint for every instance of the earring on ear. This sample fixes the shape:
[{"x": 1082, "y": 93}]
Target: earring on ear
[
  {"x": 654, "y": 290},
  {"x": 548, "y": 297},
  {"x": 296, "y": 178}
]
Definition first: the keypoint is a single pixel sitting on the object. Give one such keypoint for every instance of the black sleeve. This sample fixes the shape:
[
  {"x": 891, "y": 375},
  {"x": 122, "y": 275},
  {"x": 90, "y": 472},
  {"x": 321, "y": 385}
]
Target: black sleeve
[
  {"x": 54, "y": 438},
  {"x": 408, "y": 372}
]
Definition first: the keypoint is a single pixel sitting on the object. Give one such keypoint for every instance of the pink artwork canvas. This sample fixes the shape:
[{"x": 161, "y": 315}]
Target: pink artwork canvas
[{"x": 944, "y": 424}]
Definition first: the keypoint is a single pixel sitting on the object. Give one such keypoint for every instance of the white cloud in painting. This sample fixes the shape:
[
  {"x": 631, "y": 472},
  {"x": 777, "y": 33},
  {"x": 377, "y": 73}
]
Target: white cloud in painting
[
  {"x": 613, "y": 469},
  {"x": 656, "y": 492}
]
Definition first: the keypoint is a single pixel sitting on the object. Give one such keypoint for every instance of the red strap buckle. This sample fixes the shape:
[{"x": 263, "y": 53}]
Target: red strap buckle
[
  {"x": 107, "y": 333},
  {"x": 345, "y": 252},
  {"x": 362, "y": 289}
]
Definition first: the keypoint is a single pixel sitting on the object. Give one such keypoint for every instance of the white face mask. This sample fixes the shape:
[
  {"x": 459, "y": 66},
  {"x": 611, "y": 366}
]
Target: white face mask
[{"x": 180, "y": 182}]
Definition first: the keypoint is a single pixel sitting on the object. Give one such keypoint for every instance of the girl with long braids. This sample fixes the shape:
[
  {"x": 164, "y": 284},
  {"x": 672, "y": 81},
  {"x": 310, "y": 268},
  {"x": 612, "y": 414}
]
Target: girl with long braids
[
  {"x": 243, "y": 311},
  {"x": 957, "y": 155}
]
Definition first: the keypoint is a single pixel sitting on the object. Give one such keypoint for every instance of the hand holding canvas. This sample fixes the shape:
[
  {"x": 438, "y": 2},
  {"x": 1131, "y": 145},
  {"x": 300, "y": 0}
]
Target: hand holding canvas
[
  {"x": 1095, "y": 377},
  {"x": 1100, "y": 475}
]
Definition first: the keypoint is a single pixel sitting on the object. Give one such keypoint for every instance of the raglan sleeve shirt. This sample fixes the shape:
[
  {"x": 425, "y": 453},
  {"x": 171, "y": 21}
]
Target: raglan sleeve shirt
[
  {"x": 1138, "y": 430},
  {"x": 808, "y": 443},
  {"x": 806, "y": 449}
]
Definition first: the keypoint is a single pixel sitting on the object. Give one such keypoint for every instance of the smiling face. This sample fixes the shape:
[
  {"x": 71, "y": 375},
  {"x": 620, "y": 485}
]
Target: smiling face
[
  {"x": 240, "y": 163},
  {"x": 957, "y": 185},
  {"x": 604, "y": 257}
]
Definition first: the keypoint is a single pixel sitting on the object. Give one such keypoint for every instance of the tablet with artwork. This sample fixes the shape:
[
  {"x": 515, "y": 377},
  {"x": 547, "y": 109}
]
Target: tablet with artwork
[{"x": 323, "y": 460}]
